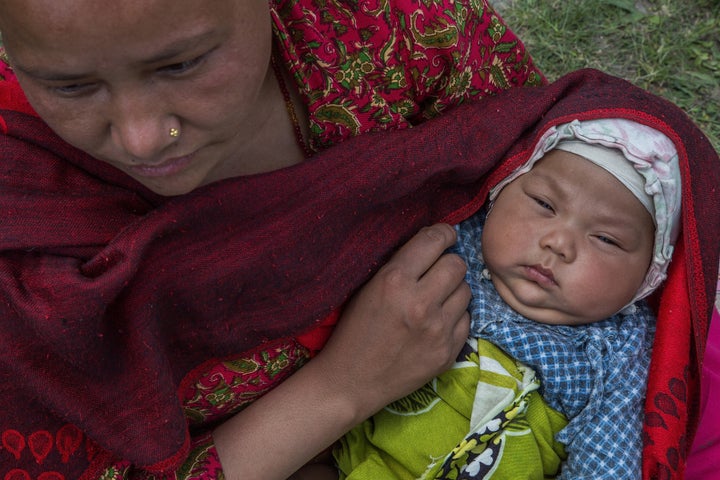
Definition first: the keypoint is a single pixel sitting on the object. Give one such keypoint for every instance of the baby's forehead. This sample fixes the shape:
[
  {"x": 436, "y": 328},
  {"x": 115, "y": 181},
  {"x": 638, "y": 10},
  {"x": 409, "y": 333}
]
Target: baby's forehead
[
  {"x": 570, "y": 176},
  {"x": 557, "y": 163},
  {"x": 616, "y": 163}
]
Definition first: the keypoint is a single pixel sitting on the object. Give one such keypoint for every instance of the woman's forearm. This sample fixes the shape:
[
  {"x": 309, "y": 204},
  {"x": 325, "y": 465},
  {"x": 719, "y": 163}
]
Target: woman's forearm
[{"x": 287, "y": 427}]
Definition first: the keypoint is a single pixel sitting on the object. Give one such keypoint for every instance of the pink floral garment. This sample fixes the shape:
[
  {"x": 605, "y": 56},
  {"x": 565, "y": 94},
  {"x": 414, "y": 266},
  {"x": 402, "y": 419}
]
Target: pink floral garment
[{"x": 378, "y": 64}]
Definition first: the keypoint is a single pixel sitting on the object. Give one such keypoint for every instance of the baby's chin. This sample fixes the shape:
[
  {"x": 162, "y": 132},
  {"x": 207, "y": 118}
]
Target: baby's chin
[{"x": 541, "y": 312}]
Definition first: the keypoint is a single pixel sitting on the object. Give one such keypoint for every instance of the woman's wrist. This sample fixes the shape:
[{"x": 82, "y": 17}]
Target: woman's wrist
[{"x": 289, "y": 426}]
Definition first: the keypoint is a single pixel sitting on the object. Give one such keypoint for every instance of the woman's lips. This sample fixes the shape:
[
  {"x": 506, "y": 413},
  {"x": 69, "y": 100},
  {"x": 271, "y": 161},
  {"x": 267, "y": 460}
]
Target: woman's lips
[
  {"x": 165, "y": 169},
  {"x": 541, "y": 275}
]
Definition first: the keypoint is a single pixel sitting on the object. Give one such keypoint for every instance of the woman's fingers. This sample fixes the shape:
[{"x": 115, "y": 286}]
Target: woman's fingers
[{"x": 421, "y": 252}]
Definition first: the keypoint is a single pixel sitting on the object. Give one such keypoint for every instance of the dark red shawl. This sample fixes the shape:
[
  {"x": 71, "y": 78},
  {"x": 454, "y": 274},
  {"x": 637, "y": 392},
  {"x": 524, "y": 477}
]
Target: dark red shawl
[{"x": 111, "y": 295}]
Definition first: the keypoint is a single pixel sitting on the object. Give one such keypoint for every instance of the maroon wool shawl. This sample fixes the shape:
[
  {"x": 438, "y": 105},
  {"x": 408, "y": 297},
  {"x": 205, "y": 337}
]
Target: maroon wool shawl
[{"x": 111, "y": 295}]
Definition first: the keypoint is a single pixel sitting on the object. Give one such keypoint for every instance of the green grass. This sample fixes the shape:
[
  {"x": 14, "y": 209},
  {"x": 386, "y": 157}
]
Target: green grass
[{"x": 669, "y": 47}]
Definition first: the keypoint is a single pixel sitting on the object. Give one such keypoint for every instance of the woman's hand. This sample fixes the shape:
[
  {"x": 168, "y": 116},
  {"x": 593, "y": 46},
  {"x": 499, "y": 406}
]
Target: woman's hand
[{"x": 406, "y": 325}]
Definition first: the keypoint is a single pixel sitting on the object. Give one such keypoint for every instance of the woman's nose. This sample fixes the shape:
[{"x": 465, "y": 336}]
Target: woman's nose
[
  {"x": 561, "y": 241},
  {"x": 142, "y": 130}
]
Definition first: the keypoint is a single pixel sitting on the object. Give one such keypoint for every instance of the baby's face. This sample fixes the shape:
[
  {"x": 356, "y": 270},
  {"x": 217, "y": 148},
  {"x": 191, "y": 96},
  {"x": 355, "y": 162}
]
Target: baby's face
[{"x": 567, "y": 243}]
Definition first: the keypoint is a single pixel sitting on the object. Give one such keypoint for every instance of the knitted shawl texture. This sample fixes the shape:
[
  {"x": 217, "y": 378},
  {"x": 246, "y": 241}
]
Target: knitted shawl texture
[{"x": 111, "y": 294}]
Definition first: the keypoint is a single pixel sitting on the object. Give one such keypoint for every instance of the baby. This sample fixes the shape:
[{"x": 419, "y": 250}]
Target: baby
[{"x": 552, "y": 379}]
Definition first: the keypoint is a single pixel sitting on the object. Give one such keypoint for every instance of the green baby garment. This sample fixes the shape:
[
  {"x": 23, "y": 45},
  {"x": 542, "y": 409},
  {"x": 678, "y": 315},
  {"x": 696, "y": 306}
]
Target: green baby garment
[{"x": 483, "y": 418}]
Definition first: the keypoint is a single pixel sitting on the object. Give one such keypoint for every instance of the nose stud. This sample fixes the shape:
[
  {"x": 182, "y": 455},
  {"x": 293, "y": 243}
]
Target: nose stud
[{"x": 174, "y": 132}]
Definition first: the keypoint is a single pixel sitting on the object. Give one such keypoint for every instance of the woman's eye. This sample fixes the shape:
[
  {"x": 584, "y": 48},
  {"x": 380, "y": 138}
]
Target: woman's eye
[
  {"x": 182, "y": 67},
  {"x": 74, "y": 89}
]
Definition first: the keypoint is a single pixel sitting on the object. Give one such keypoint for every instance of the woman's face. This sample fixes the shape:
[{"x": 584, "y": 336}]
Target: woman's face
[{"x": 113, "y": 79}]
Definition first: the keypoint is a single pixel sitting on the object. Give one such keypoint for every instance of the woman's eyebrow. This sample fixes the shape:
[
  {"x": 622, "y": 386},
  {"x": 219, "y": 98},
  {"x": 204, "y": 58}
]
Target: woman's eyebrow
[
  {"x": 178, "y": 47},
  {"x": 46, "y": 74},
  {"x": 170, "y": 51}
]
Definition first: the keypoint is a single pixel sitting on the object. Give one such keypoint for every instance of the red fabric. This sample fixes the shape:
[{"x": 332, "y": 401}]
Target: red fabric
[
  {"x": 315, "y": 339},
  {"x": 111, "y": 295},
  {"x": 11, "y": 95},
  {"x": 672, "y": 394}
]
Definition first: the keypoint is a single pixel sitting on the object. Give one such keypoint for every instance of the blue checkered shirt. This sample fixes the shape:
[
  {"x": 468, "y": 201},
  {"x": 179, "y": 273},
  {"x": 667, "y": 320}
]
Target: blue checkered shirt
[{"x": 594, "y": 374}]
